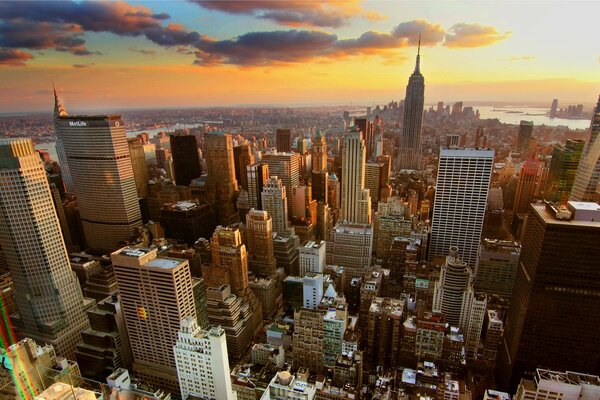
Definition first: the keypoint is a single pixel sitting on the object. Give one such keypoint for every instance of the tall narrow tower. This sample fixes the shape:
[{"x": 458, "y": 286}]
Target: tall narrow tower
[
  {"x": 222, "y": 183},
  {"x": 356, "y": 200},
  {"x": 409, "y": 154},
  {"x": 99, "y": 165},
  {"x": 47, "y": 293},
  {"x": 585, "y": 186}
]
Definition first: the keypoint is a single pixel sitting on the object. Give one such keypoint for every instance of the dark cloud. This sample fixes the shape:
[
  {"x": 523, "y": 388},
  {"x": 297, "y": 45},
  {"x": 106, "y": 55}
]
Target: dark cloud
[
  {"x": 14, "y": 57},
  {"x": 83, "y": 65},
  {"x": 431, "y": 34},
  {"x": 142, "y": 51},
  {"x": 295, "y": 13},
  {"x": 21, "y": 33},
  {"x": 473, "y": 35}
]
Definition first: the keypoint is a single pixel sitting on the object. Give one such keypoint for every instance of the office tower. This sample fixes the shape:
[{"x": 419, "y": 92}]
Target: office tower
[
  {"x": 383, "y": 333},
  {"x": 525, "y": 131},
  {"x": 373, "y": 173},
  {"x": 202, "y": 362},
  {"x": 528, "y": 186},
  {"x": 140, "y": 168},
  {"x": 335, "y": 323},
  {"x": 102, "y": 285},
  {"x": 496, "y": 267},
  {"x": 494, "y": 328},
  {"x": 562, "y": 171},
  {"x": 367, "y": 129},
  {"x": 385, "y": 229},
  {"x": 320, "y": 184},
  {"x": 285, "y": 166},
  {"x": 269, "y": 293},
  {"x": 259, "y": 236},
  {"x": 229, "y": 253},
  {"x": 324, "y": 221},
  {"x": 546, "y": 384},
  {"x": 312, "y": 257},
  {"x": 49, "y": 300},
  {"x": 161, "y": 140},
  {"x": 186, "y": 160},
  {"x": 308, "y": 339},
  {"x": 350, "y": 245},
  {"x": 356, "y": 200},
  {"x": 187, "y": 221},
  {"x": 31, "y": 368},
  {"x": 233, "y": 314},
  {"x": 457, "y": 108},
  {"x": 454, "y": 296},
  {"x": 312, "y": 289},
  {"x": 200, "y": 301},
  {"x": 409, "y": 153},
  {"x": 243, "y": 156},
  {"x": 333, "y": 192},
  {"x": 553, "y": 314},
  {"x": 283, "y": 140},
  {"x": 222, "y": 185},
  {"x": 162, "y": 155},
  {"x": 319, "y": 152},
  {"x": 96, "y": 152},
  {"x": 461, "y": 195},
  {"x": 156, "y": 295},
  {"x": 105, "y": 347},
  {"x": 257, "y": 176},
  {"x": 286, "y": 253},
  {"x": 429, "y": 336},
  {"x": 585, "y": 186},
  {"x": 275, "y": 202},
  {"x": 554, "y": 108},
  {"x": 59, "y": 111}
]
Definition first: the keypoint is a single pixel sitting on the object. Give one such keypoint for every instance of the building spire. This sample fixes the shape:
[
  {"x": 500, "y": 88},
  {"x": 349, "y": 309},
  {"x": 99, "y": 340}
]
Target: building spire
[
  {"x": 418, "y": 64},
  {"x": 59, "y": 110}
]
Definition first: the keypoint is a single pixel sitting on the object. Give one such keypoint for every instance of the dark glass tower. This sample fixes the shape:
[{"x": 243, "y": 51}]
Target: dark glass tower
[
  {"x": 553, "y": 317},
  {"x": 186, "y": 160},
  {"x": 409, "y": 155}
]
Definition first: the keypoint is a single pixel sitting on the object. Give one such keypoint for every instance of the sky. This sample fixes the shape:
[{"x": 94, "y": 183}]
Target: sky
[{"x": 159, "y": 54}]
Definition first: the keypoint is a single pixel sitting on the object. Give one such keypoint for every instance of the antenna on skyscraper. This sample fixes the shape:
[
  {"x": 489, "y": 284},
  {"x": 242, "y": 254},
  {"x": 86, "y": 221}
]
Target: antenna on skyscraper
[{"x": 419, "y": 48}]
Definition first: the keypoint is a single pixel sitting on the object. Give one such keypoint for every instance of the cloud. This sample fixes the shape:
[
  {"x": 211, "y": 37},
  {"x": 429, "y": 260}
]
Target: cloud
[
  {"x": 142, "y": 51},
  {"x": 295, "y": 13},
  {"x": 522, "y": 58},
  {"x": 14, "y": 57},
  {"x": 473, "y": 35},
  {"x": 83, "y": 65}
]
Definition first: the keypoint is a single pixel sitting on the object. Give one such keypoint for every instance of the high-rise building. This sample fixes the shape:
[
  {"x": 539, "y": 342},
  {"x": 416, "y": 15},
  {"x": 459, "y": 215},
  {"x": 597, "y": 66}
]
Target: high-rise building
[
  {"x": 553, "y": 314},
  {"x": 259, "y": 236},
  {"x": 285, "y": 166},
  {"x": 462, "y": 188},
  {"x": 101, "y": 174},
  {"x": 409, "y": 153},
  {"x": 47, "y": 294},
  {"x": 140, "y": 168},
  {"x": 243, "y": 157},
  {"x": 367, "y": 129},
  {"x": 186, "y": 160},
  {"x": 496, "y": 267},
  {"x": 554, "y": 108},
  {"x": 319, "y": 153},
  {"x": 312, "y": 257},
  {"x": 286, "y": 253},
  {"x": 383, "y": 332},
  {"x": 156, "y": 295},
  {"x": 202, "y": 362},
  {"x": 320, "y": 183},
  {"x": 222, "y": 185},
  {"x": 312, "y": 290},
  {"x": 229, "y": 252},
  {"x": 356, "y": 200},
  {"x": 528, "y": 186},
  {"x": 547, "y": 384},
  {"x": 187, "y": 221},
  {"x": 275, "y": 202},
  {"x": 283, "y": 140},
  {"x": 257, "y": 176},
  {"x": 585, "y": 186},
  {"x": 351, "y": 246},
  {"x": 563, "y": 168},
  {"x": 308, "y": 338},
  {"x": 525, "y": 132}
]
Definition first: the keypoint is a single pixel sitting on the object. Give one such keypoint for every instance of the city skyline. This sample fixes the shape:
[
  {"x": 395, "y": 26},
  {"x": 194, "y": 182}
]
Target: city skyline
[{"x": 252, "y": 53}]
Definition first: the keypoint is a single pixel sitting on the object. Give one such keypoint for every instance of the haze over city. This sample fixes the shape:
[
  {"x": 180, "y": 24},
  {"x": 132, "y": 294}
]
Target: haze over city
[{"x": 198, "y": 54}]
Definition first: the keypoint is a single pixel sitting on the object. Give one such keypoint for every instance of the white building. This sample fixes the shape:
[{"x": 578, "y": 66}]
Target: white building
[
  {"x": 202, "y": 363},
  {"x": 461, "y": 194},
  {"x": 274, "y": 201},
  {"x": 312, "y": 257},
  {"x": 552, "y": 385},
  {"x": 587, "y": 180},
  {"x": 312, "y": 287}
]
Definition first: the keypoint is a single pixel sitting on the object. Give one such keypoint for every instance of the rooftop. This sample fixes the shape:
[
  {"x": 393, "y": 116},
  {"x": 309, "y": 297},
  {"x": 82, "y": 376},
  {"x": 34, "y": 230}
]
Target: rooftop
[{"x": 165, "y": 263}]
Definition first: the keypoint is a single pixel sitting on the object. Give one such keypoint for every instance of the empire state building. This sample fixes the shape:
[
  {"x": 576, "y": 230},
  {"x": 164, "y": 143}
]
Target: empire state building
[{"x": 409, "y": 154}]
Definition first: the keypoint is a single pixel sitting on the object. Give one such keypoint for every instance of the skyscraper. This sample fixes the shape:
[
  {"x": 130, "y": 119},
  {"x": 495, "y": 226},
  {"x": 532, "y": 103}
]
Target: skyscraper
[
  {"x": 553, "y": 315},
  {"x": 525, "y": 131},
  {"x": 283, "y": 140},
  {"x": 140, "y": 168},
  {"x": 528, "y": 186},
  {"x": 356, "y": 200},
  {"x": 367, "y": 129},
  {"x": 156, "y": 295},
  {"x": 222, "y": 184},
  {"x": 463, "y": 183},
  {"x": 242, "y": 157},
  {"x": 48, "y": 296},
  {"x": 554, "y": 108},
  {"x": 585, "y": 186},
  {"x": 286, "y": 166},
  {"x": 274, "y": 201},
  {"x": 186, "y": 160},
  {"x": 202, "y": 362},
  {"x": 563, "y": 168},
  {"x": 259, "y": 234},
  {"x": 319, "y": 153},
  {"x": 409, "y": 154},
  {"x": 97, "y": 155},
  {"x": 257, "y": 176},
  {"x": 351, "y": 246}
]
